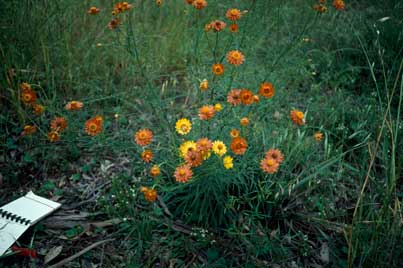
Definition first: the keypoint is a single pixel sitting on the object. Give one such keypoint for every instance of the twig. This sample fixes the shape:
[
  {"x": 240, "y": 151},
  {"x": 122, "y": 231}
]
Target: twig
[{"x": 69, "y": 259}]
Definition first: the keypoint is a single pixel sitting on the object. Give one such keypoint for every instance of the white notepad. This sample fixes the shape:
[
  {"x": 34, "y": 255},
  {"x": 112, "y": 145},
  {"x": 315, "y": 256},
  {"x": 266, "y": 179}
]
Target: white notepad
[{"x": 17, "y": 216}]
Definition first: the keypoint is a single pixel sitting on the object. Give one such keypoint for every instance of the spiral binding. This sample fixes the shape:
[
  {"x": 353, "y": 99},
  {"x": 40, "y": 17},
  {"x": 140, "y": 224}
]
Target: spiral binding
[{"x": 13, "y": 217}]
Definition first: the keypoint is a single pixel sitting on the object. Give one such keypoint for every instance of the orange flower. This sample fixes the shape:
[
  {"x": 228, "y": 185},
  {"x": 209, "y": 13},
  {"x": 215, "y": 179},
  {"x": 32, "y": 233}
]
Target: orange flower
[
  {"x": 339, "y": 4},
  {"x": 206, "y": 112},
  {"x": 234, "y": 97},
  {"x": 320, "y": 8},
  {"x": 275, "y": 154},
  {"x": 217, "y": 25},
  {"x": 147, "y": 156},
  {"x": 93, "y": 10},
  {"x": 38, "y": 109},
  {"x": 25, "y": 86},
  {"x": 28, "y": 96},
  {"x": 246, "y": 97},
  {"x": 53, "y": 136},
  {"x": 28, "y": 130},
  {"x": 155, "y": 171},
  {"x": 244, "y": 121},
  {"x": 74, "y": 105},
  {"x": 158, "y": 2},
  {"x": 58, "y": 124},
  {"x": 204, "y": 145},
  {"x": 93, "y": 126},
  {"x": 266, "y": 90},
  {"x": 235, "y": 57},
  {"x": 183, "y": 174},
  {"x": 218, "y": 68},
  {"x": 233, "y": 14},
  {"x": 114, "y": 23},
  {"x": 199, "y": 4},
  {"x": 297, "y": 117},
  {"x": 149, "y": 194},
  {"x": 234, "y": 28},
  {"x": 318, "y": 136},
  {"x": 194, "y": 158},
  {"x": 143, "y": 137},
  {"x": 239, "y": 145},
  {"x": 204, "y": 85},
  {"x": 234, "y": 133},
  {"x": 121, "y": 7},
  {"x": 269, "y": 165},
  {"x": 189, "y": 1}
]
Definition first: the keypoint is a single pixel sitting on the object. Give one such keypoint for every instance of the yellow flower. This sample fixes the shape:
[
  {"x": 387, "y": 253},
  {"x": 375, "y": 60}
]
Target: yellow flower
[
  {"x": 228, "y": 162},
  {"x": 219, "y": 148},
  {"x": 204, "y": 85},
  {"x": 186, "y": 147},
  {"x": 183, "y": 126},
  {"x": 218, "y": 107},
  {"x": 318, "y": 136}
]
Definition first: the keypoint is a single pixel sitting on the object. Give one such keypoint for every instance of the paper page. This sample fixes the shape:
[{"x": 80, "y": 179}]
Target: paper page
[
  {"x": 31, "y": 207},
  {"x": 9, "y": 233}
]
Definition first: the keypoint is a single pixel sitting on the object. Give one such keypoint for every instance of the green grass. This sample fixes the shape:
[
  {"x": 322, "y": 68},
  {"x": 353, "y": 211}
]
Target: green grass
[{"x": 343, "y": 194}]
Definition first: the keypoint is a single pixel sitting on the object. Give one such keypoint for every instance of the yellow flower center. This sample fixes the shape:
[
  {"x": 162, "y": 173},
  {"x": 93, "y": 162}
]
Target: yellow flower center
[
  {"x": 27, "y": 97},
  {"x": 270, "y": 162},
  {"x": 93, "y": 127},
  {"x": 300, "y": 115},
  {"x": 184, "y": 128},
  {"x": 182, "y": 172},
  {"x": 236, "y": 55},
  {"x": 234, "y": 12}
]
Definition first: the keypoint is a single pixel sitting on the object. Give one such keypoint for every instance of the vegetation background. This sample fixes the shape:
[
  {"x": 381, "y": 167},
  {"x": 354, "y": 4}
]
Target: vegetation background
[{"x": 336, "y": 203}]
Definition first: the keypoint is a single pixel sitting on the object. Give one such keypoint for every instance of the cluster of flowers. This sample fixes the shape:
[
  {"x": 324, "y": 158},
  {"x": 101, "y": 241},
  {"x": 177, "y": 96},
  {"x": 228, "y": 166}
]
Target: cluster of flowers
[
  {"x": 117, "y": 9},
  {"x": 218, "y": 25},
  {"x": 92, "y": 127},
  {"x": 321, "y": 5}
]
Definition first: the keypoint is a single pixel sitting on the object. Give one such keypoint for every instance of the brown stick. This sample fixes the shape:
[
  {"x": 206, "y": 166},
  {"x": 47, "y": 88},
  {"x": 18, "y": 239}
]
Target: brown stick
[{"x": 69, "y": 259}]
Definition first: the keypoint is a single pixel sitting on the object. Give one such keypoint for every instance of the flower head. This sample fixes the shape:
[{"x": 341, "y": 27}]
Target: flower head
[
  {"x": 228, "y": 162},
  {"x": 194, "y": 158},
  {"x": 204, "y": 145},
  {"x": 155, "y": 171},
  {"x": 269, "y": 165},
  {"x": 28, "y": 130},
  {"x": 219, "y": 148},
  {"x": 143, "y": 137},
  {"x": 244, "y": 121},
  {"x": 318, "y": 136},
  {"x": 234, "y": 133},
  {"x": 266, "y": 90},
  {"x": 218, "y": 107},
  {"x": 74, "y": 105},
  {"x": 217, "y": 25},
  {"x": 199, "y": 4},
  {"x": 204, "y": 85},
  {"x": 239, "y": 145},
  {"x": 218, "y": 69},
  {"x": 275, "y": 154},
  {"x": 38, "y": 109},
  {"x": 320, "y": 8},
  {"x": 25, "y": 86},
  {"x": 183, "y": 126},
  {"x": 149, "y": 194},
  {"x": 93, "y": 10},
  {"x": 235, "y": 57},
  {"x": 147, "y": 156},
  {"x": 93, "y": 126},
  {"x": 233, "y": 14},
  {"x": 339, "y": 4},
  {"x": 58, "y": 124},
  {"x": 234, "y": 97},
  {"x": 246, "y": 97},
  {"x": 28, "y": 96},
  {"x": 183, "y": 174},
  {"x": 53, "y": 136},
  {"x": 186, "y": 147},
  {"x": 114, "y": 23},
  {"x": 206, "y": 112},
  {"x": 234, "y": 28},
  {"x": 297, "y": 117}
]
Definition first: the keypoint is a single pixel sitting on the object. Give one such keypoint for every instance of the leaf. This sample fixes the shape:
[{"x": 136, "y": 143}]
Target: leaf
[{"x": 53, "y": 253}]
